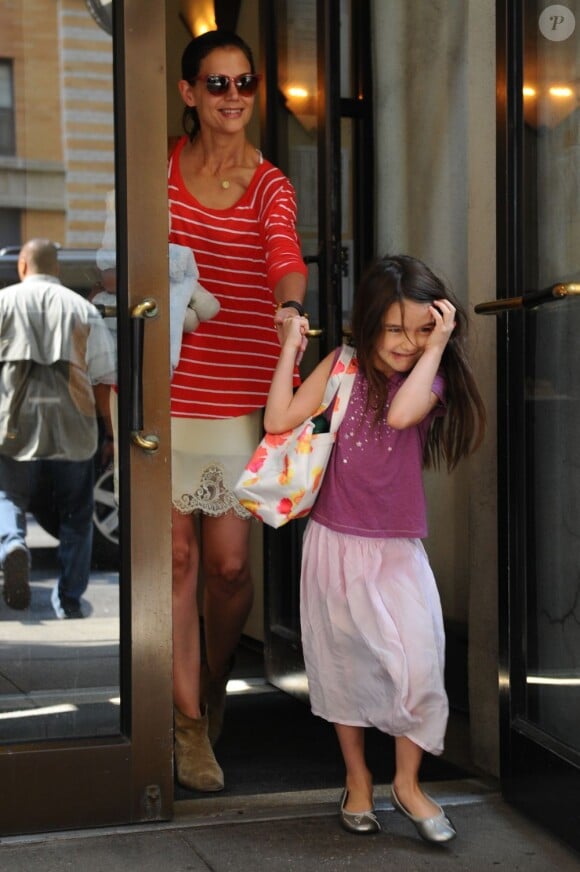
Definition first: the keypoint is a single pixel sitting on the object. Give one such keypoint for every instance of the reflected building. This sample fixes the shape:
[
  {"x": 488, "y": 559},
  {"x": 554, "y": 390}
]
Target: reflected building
[{"x": 56, "y": 152}]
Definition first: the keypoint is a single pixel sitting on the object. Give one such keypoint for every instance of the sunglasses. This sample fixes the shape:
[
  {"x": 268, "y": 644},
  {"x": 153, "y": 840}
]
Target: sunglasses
[{"x": 217, "y": 84}]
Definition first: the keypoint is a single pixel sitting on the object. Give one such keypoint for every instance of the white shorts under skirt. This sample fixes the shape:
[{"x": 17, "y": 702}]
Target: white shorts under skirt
[
  {"x": 372, "y": 632},
  {"x": 207, "y": 458}
]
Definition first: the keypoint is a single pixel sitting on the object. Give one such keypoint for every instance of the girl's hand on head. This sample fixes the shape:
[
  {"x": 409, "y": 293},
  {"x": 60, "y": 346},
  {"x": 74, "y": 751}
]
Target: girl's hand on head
[{"x": 443, "y": 312}]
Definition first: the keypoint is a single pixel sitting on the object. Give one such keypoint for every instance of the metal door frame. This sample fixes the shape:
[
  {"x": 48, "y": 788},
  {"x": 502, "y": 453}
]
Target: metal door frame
[
  {"x": 126, "y": 778},
  {"x": 535, "y": 776}
]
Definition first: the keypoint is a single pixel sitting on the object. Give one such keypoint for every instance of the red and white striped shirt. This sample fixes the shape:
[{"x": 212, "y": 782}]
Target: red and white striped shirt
[{"x": 226, "y": 365}]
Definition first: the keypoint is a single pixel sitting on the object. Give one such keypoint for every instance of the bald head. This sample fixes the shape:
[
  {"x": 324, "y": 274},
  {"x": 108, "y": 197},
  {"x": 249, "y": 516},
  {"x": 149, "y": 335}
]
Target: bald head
[{"x": 38, "y": 256}]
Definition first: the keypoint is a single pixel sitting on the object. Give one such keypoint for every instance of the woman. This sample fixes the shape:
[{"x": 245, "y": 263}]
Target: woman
[{"x": 237, "y": 212}]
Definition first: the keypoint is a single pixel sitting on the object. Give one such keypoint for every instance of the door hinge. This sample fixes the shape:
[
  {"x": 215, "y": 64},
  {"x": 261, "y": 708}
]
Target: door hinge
[{"x": 152, "y": 801}]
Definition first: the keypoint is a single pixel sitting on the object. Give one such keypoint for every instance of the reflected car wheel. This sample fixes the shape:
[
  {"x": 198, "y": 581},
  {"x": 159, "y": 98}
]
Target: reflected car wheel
[{"x": 105, "y": 521}]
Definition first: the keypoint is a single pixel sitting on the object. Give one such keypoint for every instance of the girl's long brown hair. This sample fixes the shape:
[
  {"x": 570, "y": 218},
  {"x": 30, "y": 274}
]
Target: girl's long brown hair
[{"x": 393, "y": 280}]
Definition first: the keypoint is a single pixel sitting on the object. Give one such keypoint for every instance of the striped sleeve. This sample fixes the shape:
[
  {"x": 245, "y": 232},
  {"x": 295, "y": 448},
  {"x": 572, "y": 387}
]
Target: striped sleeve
[{"x": 278, "y": 219}]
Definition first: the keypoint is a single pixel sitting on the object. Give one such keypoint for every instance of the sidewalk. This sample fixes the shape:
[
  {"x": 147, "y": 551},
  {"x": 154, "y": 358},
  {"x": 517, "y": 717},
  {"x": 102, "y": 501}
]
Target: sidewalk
[
  {"x": 59, "y": 678},
  {"x": 286, "y": 832},
  {"x": 47, "y": 664}
]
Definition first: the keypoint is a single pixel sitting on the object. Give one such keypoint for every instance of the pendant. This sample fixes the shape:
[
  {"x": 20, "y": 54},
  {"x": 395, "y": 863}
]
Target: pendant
[{"x": 225, "y": 184}]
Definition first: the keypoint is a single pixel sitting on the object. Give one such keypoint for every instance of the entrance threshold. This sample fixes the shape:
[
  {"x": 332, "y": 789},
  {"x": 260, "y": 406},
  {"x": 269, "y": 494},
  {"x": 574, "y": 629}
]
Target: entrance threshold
[
  {"x": 296, "y": 804},
  {"x": 248, "y": 809}
]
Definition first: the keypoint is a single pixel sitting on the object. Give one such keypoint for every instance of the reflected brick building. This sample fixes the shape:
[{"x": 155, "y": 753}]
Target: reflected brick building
[{"x": 56, "y": 123}]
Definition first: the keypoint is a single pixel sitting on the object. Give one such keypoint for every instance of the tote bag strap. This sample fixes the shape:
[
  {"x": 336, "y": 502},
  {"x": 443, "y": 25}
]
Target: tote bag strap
[{"x": 339, "y": 385}]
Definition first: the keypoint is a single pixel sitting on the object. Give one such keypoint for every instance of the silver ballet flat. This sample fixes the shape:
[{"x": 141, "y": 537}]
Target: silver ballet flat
[
  {"x": 361, "y": 822},
  {"x": 434, "y": 829}
]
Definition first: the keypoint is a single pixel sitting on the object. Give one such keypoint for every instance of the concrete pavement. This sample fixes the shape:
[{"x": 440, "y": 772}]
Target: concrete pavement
[
  {"x": 59, "y": 678},
  {"x": 46, "y": 663},
  {"x": 283, "y": 832}
]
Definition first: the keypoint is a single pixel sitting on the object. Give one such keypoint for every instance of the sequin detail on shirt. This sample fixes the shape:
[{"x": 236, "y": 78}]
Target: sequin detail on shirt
[{"x": 359, "y": 429}]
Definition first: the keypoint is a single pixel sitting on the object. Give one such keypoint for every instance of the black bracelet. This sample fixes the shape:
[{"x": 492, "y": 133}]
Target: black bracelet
[{"x": 293, "y": 304}]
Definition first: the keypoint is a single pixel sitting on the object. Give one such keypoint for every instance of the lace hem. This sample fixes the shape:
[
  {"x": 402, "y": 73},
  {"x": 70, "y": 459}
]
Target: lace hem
[{"x": 212, "y": 496}]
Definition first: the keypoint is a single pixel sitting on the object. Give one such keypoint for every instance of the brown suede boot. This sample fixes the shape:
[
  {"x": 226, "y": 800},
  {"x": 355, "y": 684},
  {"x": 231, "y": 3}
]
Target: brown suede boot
[
  {"x": 213, "y": 697},
  {"x": 195, "y": 763}
]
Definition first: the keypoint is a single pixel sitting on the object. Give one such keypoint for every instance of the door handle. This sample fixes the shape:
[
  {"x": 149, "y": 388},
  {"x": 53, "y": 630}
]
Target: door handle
[
  {"x": 146, "y": 309},
  {"x": 529, "y": 301},
  {"x": 106, "y": 311}
]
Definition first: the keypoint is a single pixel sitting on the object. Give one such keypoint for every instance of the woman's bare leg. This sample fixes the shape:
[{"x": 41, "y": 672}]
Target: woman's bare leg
[
  {"x": 195, "y": 763},
  {"x": 406, "y": 780},
  {"x": 186, "y": 653},
  {"x": 228, "y": 591},
  {"x": 359, "y": 782}
]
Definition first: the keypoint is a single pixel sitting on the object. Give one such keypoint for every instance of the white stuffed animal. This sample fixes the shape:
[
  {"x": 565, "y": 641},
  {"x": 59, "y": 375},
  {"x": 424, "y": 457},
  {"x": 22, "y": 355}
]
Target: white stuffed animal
[
  {"x": 189, "y": 302},
  {"x": 202, "y": 306}
]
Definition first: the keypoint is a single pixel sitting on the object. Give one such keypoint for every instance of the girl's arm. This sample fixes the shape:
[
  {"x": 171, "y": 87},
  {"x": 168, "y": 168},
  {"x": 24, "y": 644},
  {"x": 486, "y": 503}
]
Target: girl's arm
[
  {"x": 284, "y": 408},
  {"x": 415, "y": 399}
]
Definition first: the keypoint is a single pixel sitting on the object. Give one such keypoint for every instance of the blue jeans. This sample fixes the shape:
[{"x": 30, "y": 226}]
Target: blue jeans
[{"x": 72, "y": 484}]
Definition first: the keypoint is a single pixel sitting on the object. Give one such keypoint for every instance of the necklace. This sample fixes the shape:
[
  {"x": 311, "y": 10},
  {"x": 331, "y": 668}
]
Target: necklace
[{"x": 225, "y": 183}]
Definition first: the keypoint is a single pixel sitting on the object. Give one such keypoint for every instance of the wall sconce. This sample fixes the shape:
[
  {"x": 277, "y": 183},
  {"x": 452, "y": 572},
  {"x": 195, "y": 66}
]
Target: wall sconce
[
  {"x": 198, "y": 17},
  {"x": 548, "y": 106},
  {"x": 301, "y": 102}
]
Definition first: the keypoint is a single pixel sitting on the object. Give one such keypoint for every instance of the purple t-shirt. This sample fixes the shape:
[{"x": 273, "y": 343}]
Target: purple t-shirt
[{"x": 373, "y": 485}]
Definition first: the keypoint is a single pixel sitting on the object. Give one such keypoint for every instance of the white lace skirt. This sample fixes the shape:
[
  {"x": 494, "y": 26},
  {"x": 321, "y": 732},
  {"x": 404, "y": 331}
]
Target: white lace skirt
[{"x": 207, "y": 458}]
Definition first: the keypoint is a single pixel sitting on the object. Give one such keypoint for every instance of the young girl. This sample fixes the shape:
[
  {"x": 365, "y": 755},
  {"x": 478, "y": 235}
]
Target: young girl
[{"x": 372, "y": 628}]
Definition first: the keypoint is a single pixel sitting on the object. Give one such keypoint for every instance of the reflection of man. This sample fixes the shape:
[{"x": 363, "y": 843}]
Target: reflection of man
[{"x": 56, "y": 361}]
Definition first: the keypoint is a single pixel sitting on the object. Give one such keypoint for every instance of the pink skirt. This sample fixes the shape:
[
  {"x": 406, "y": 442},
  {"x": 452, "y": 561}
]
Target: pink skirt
[{"x": 372, "y": 633}]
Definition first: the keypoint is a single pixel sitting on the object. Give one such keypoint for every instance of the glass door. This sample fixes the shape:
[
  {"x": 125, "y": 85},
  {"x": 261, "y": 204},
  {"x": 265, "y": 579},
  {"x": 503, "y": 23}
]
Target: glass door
[
  {"x": 539, "y": 408},
  {"x": 318, "y": 129},
  {"x": 85, "y": 693}
]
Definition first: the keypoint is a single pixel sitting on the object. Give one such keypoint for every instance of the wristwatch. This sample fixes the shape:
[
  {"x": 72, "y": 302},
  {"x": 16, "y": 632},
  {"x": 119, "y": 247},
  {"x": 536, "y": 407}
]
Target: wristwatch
[{"x": 293, "y": 304}]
